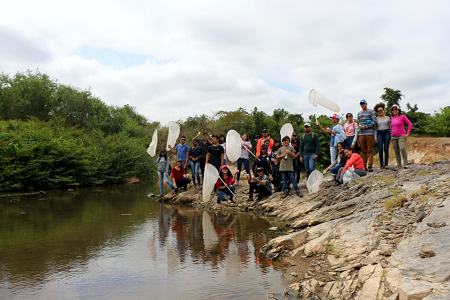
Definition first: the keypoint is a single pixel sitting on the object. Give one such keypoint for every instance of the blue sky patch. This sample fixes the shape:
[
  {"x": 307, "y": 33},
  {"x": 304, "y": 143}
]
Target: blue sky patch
[
  {"x": 111, "y": 57},
  {"x": 284, "y": 86}
]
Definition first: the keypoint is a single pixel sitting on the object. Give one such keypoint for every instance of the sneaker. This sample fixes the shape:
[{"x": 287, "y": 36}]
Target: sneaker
[
  {"x": 299, "y": 193},
  {"x": 285, "y": 195},
  {"x": 381, "y": 167},
  {"x": 250, "y": 199},
  {"x": 386, "y": 167},
  {"x": 370, "y": 169},
  {"x": 337, "y": 183},
  {"x": 237, "y": 183}
]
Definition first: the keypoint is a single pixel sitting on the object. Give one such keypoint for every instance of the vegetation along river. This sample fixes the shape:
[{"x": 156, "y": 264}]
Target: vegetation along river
[{"x": 117, "y": 243}]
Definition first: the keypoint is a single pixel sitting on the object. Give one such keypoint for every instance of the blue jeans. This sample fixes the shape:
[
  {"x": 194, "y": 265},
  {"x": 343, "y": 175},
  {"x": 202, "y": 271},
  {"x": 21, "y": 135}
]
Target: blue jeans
[
  {"x": 223, "y": 192},
  {"x": 161, "y": 183},
  {"x": 297, "y": 167},
  {"x": 333, "y": 153},
  {"x": 288, "y": 175},
  {"x": 348, "y": 141},
  {"x": 224, "y": 161},
  {"x": 246, "y": 166},
  {"x": 195, "y": 166},
  {"x": 310, "y": 164},
  {"x": 335, "y": 169},
  {"x": 384, "y": 138}
]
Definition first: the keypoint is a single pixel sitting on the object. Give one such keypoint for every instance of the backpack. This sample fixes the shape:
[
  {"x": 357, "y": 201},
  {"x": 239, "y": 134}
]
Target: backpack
[{"x": 303, "y": 139}]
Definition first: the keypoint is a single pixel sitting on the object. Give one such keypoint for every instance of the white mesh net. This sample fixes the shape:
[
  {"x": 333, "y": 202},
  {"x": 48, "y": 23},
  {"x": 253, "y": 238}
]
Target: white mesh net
[
  {"x": 210, "y": 179},
  {"x": 174, "y": 132},
  {"x": 317, "y": 98},
  {"x": 314, "y": 181},
  {"x": 286, "y": 130},
  {"x": 233, "y": 145},
  {"x": 152, "y": 148}
]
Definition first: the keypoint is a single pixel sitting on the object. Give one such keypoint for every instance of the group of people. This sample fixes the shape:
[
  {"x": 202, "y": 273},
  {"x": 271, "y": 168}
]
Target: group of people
[{"x": 278, "y": 163}]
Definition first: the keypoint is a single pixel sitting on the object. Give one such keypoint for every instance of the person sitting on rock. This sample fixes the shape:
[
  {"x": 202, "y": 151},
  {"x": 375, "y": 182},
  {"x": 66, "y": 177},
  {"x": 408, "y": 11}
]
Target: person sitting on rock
[
  {"x": 179, "y": 176},
  {"x": 275, "y": 176},
  {"x": 339, "y": 162},
  {"x": 260, "y": 183},
  {"x": 353, "y": 159},
  {"x": 227, "y": 189}
]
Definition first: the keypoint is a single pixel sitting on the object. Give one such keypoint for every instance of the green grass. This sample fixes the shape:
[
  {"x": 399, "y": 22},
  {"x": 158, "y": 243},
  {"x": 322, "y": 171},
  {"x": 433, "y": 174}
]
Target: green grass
[
  {"x": 396, "y": 201},
  {"x": 330, "y": 247}
]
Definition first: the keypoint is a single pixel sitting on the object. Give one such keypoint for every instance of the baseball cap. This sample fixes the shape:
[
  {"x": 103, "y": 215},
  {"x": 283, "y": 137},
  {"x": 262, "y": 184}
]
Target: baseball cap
[
  {"x": 179, "y": 160},
  {"x": 224, "y": 166},
  {"x": 264, "y": 130},
  {"x": 307, "y": 125},
  {"x": 363, "y": 101},
  {"x": 335, "y": 116},
  {"x": 259, "y": 169},
  {"x": 395, "y": 106},
  {"x": 263, "y": 147}
]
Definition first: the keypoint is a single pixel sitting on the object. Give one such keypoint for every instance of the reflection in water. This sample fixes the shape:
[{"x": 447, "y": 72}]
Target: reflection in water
[{"x": 118, "y": 243}]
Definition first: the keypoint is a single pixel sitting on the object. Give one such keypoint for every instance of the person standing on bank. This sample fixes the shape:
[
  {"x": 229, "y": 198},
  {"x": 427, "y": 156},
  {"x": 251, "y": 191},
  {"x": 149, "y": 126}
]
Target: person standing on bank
[
  {"x": 367, "y": 120},
  {"x": 286, "y": 154},
  {"x": 350, "y": 130},
  {"x": 215, "y": 153},
  {"x": 399, "y": 136},
  {"x": 265, "y": 136},
  {"x": 383, "y": 134},
  {"x": 204, "y": 144},
  {"x": 337, "y": 135},
  {"x": 182, "y": 151},
  {"x": 246, "y": 147},
  {"x": 163, "y": 170},
  {"x": 309, "y": 149},
  {"x": 295, "y": 143},
  {"x": 195, "y": 156}
]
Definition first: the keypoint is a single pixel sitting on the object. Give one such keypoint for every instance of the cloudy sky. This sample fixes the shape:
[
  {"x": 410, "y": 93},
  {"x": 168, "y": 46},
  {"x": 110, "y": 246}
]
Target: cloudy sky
[{"x": 174, "y": 59}]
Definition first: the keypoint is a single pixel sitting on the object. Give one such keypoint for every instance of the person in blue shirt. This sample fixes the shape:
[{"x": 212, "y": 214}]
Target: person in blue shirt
[
  {"x": 182, "y": 151},
  {"x": 337, "y": 135}
]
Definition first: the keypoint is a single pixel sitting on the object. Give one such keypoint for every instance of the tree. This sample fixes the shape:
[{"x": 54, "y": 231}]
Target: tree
[{"x": 391, "y": 97}]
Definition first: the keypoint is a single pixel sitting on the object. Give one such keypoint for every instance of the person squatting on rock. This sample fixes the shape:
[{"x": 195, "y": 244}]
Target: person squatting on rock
[
  {"x": 382, "y": 134},
  {"x": 243, "y": 158},
  {"x": 163, "y": 170},
  {"x": 286, "y": 154},
  {"x": 195, "y": 156},
  {"x": 338, "y": 163},
  {"x": 179, "y": 176},
  {"x": 215, "y": 154},
  {"x": 399, "y": 136},
  {"x": 182, "y": 151},
  {"x": 353, "y": 159},
  {"x": 260, "y": 184},
  {"x": 227, "y": 189},
  {"x": 367, "y": 120},
  {"x": 337, "y": 135},
  {"x": 350, "y": 130},
  {"x": 309, "y": 149}
]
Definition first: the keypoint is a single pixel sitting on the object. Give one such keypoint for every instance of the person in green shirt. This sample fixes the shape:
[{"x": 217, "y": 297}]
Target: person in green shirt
[
  {"x": 309, "y": 149},
  {"x": 286, "y": 154}
]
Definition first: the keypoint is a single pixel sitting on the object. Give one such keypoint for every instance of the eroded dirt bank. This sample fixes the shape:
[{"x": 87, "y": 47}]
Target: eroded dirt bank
[{"x": 383, "y": 236}]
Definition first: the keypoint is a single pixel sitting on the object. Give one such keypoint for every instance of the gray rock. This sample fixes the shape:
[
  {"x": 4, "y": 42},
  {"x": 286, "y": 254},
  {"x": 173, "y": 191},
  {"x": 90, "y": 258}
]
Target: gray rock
[
  {"x": 413, "y": 290},
  {"x": 436, "y": 224},
  {"x": 420, "y": 216},
  {"x": 386, "y": 249},
  {"x": 426, "y": 251}
]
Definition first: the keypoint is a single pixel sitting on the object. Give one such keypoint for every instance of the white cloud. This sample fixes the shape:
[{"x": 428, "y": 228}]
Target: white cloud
[{"x": 199, "y": 56}]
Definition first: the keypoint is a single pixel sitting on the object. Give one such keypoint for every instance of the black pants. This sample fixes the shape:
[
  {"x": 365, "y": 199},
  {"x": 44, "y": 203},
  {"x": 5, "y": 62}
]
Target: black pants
[
  {"x": 183, "y": 183},
  {"x": 260, "y": 189},
  {"x": 202, "y": 167}
]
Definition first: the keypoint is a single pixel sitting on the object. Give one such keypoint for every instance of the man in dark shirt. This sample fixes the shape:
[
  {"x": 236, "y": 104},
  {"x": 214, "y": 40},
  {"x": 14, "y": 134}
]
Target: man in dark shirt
[
  {"x": 204, "y": 144},
  {"x": 215, "y": 153},
  {"x": 309, "y": 149},
  {"x": 295, "y": 143}
]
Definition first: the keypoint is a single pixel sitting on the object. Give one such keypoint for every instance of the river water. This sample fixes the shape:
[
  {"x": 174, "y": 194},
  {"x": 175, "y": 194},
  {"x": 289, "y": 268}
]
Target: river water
[{"x": 117, "y": 243}]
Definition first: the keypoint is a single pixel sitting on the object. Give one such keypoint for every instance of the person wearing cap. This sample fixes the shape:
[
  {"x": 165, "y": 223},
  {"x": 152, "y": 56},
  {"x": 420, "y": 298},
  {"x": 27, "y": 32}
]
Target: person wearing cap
[
  {"x": 182, "y": 151},
  {"x": 295, "y": 143},
  {"x": 350, "y": 130},
  {"x": 286, "y": 154},
  {"x": 265, "y": 136},
  {"x": 264, "y": 161},
  {"x": 399, "y": 135},
  {"x": 215, "y": 153},
  {"x": 337, "y": 136},
  {"x": 179, "y": 176},
  {"x": 260, "y": 184},
  {"x": 309, "y": 149},
  {"x": 225, "y": 184},
  {"x": 367, "y": 120}
]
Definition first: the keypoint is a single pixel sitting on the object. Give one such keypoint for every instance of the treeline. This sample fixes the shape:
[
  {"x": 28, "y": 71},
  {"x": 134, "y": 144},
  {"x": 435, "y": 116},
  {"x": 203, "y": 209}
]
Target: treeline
[{"x": 54, "y": 136}]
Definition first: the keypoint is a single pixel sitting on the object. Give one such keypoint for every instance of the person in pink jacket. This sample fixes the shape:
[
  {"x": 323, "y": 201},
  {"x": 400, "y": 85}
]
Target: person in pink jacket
[{"x": 399, "y": 135}]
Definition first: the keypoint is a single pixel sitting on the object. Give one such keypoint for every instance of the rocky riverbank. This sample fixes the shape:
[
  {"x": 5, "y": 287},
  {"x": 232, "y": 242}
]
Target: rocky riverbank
[{"x": 383, "y": 236}]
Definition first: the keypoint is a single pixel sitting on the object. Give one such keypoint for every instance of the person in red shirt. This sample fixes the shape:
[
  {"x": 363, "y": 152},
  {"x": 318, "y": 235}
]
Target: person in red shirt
[
  {"x": 225, "y": 189},
  {"x": 179, "y": 177},
  {"x": 353, "y": 159}
]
